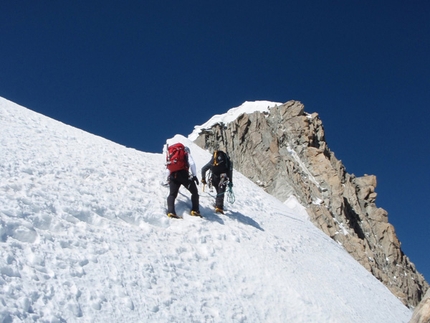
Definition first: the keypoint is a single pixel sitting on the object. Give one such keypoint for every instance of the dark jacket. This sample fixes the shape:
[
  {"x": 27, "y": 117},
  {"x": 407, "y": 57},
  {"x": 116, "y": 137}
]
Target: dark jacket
[{"x": 210, "y": 165}]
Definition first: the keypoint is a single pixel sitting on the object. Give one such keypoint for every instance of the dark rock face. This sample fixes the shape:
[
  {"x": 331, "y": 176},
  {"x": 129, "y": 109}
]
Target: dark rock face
[{"x": 285, "y": 152}]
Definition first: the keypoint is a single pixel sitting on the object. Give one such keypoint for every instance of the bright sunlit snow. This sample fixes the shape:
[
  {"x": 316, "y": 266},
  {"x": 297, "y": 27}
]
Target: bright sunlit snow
[
  {"x": 84, "y": 238},
  {"x": 233, "y": 114}
]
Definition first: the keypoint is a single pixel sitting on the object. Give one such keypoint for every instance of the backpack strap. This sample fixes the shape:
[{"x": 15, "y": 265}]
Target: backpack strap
[{"x": 215, "y": 156}]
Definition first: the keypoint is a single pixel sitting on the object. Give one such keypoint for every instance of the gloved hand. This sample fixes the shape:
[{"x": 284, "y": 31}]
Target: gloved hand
[
  {"x": 230, "y": 185},
  {"x": 195, "y": 179},
  {"x": 203, "y": 181}
]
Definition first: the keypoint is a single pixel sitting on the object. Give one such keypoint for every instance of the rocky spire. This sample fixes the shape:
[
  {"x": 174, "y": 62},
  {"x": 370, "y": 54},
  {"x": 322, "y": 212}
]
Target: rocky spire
[{"x": 285, "y": 152}]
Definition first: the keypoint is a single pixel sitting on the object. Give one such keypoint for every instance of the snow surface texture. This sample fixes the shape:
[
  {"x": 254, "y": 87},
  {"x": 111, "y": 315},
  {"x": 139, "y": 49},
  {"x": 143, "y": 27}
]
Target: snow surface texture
[{"x": 84, "y": 238}]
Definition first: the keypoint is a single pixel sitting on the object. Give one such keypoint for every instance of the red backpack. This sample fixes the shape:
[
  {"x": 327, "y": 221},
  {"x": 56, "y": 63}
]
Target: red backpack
[{"x": 177, "y": 158}]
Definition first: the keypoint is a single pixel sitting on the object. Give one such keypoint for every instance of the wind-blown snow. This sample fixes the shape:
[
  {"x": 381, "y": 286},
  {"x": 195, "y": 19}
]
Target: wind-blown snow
[{"x": 84, "y": 238}]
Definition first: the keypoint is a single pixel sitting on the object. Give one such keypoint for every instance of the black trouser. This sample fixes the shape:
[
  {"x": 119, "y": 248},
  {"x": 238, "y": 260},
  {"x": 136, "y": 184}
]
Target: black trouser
[
  {"x": 176, "y": 180},
  {"x": 220, "y": 187}
]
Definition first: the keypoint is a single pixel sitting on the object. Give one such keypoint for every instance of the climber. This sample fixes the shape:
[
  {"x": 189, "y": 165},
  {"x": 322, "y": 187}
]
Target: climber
[
  {"x": 178, "y": 163},
  {"x": 222, "y": 176}
]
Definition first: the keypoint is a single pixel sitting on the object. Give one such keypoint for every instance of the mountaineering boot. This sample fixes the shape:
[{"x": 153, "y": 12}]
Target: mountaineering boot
[
  {"x": 196, "y": 213},
  {"x": 174, "y": 216},
  {"x": 219, "y": 210}
]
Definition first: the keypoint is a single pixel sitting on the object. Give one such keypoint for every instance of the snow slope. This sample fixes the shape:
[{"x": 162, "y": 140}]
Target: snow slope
[{"x": 84, "y": 238}]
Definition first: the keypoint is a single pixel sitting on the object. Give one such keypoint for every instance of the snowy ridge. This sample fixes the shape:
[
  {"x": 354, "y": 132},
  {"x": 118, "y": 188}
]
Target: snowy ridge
[
  {"x": 232, "y": 114},
  {"x": 84, "y": 238}
]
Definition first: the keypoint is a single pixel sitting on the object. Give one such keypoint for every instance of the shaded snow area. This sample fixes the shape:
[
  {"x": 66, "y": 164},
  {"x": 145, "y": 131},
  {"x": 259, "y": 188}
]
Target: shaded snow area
[{"x": 84, "y": 238}]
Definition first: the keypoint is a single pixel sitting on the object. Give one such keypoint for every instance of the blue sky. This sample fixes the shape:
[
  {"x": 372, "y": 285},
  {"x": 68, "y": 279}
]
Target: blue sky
[{"x": 139, "y": 72}]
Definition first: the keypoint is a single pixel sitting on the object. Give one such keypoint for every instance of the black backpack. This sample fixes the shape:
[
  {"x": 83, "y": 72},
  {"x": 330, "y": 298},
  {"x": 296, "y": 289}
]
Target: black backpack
[{"x": 221, "y": 162}]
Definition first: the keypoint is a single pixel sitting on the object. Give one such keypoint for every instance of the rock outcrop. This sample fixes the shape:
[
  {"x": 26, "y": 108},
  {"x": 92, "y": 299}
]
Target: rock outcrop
[
  {"x": 285, "y": 152},
  {"x": 422, "y": 311}
]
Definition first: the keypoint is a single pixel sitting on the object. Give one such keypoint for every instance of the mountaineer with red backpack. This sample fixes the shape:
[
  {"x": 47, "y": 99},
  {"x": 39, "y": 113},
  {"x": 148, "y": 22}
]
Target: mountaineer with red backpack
[
  {"x": 178, "y": 163},
  {"x": 222, "y": 176}
]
